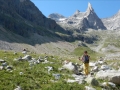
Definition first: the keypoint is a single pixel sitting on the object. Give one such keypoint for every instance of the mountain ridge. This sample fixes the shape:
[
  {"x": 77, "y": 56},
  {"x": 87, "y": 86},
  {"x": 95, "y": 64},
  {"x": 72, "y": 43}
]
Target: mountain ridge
[
  {"x": 82, "y": 20},
  {"x": 113, "y": 22}
]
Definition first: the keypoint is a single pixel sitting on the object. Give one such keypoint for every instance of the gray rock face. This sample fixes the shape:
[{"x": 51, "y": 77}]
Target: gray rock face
[
  {"x": 112, "y": 23},
  {"x": 56, "y": 16},
  {"x": 81, "y": 20}
]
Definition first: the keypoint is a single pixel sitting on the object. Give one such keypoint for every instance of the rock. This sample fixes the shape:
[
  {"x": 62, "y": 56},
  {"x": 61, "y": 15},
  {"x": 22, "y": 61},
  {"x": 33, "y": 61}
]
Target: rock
[
  {"x": 101, "y": 62},
  {"x": 24, "y": 52},
  {"x": 49, "y": 68},
  {"x": 79, "y": 78},
  {"x": 110, "y": 75},
  {"x": 75, "y": 71},
  {"x": 4, "y": 64},
  {"x": 20, "y": 73},
  {"x": 9, "y": 67},
  {"x": 57, "y": 76},
  {"x": 68, "y": 66},
  {"x": 18, "y": 59},
  {"x": 15, "y": 53},
  {"x": 45, "y": 61},
  {"x": 89, "y": 88},
  {"x": 95, "y": 69},
  {"x": 91, "y": 64},
  {"x": 18, "y": 88},
  {"x": 1, "y": 67},
  {"x": 81, "y": 81},
  {"x": 27, "y": 57},
  {"x": 2, "y": 61},
  {"x": 60, "y": 69},
  {"x": 108, "y": 84},
  {"x": 71, "y": 81},
  {"x": 92, "y": 81},
  {"x": 71, "y": 66},
  {"x": 105, "y": 67}
]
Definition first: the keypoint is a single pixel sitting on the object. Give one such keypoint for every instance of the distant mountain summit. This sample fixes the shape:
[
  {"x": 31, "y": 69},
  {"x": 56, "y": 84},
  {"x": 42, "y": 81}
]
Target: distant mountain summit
[
  {"x": 56, "y": 16},
  {"x": 81, "y": 20},
  {"x": 112, "y": 23}
]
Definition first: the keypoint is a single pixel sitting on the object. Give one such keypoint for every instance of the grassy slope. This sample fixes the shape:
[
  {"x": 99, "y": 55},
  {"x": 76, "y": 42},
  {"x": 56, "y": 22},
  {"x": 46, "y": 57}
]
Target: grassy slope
[
  {"x": 35, "y": 78},
  {"x": 80, "y": 50},
  {"x": 106, "y": 38}
]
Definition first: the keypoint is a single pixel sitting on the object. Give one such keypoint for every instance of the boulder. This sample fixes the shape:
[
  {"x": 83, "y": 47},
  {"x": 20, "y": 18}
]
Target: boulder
[
  {"x": 2, "y": 61},
  {"x": 69, "y": 66},
  {"x": 92, "y": 81},
  {"x": 110, "y": 75},
  {"x": 27, "y": 57}
]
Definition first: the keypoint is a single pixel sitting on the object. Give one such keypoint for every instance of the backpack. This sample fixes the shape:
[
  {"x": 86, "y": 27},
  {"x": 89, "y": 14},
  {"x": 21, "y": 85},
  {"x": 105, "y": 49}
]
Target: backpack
[{"x": 85, "y": 59}]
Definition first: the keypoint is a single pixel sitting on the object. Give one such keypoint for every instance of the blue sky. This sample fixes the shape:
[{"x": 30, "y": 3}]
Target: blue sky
[{"x": 103, "y": 8}]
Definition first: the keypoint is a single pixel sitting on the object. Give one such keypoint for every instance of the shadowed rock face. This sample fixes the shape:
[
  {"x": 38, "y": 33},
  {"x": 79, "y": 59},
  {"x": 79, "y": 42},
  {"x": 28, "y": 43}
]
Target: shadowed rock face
[
  {"x": 22, "y": 16},
  {"x": 81, "y": 20},
  {"x": 112, "y": 23}
]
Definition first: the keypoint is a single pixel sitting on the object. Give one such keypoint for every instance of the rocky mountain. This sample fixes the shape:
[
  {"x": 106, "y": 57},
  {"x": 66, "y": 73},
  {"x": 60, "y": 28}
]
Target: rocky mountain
[
  {"x": 56, "y": 17},
  {"x": 22, "y": 17},
  {"x": 81, "y": 20},
  {"x": 22, "y": 25},
  {"x": 112, "y": 23}
]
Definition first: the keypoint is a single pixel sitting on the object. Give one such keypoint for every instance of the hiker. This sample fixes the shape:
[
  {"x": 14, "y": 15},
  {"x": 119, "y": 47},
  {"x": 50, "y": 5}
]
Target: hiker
[{"x": 85, "y": 59}]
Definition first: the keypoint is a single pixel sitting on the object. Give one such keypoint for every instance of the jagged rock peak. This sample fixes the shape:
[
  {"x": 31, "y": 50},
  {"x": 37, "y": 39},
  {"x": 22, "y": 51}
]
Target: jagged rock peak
[
  {"x": 90, "y": 7},
  {"x": 77, "y": 12}
]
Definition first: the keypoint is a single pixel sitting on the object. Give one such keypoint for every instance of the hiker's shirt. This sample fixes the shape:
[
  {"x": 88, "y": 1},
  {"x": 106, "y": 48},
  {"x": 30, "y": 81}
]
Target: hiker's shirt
[{"x": 83, "y": 58}]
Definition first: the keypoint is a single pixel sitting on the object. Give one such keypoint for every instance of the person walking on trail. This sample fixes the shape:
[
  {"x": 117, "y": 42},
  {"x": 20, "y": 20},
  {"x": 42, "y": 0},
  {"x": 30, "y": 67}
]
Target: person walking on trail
[{"x": 85, "y": 59}]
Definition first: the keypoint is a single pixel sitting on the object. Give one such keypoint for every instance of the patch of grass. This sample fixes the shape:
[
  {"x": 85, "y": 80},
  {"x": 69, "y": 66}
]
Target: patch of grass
[{"x": 79, "y": 51}]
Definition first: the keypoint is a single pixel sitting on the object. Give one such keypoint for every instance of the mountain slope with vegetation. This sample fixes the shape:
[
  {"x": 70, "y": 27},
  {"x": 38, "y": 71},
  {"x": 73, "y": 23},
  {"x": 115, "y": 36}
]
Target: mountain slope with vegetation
[{"x": 23, "y": 18}]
